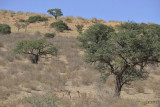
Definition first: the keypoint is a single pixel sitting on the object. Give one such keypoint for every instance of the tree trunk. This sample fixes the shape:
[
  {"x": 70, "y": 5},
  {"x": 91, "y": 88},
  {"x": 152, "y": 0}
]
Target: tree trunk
[
  {"x": 56, "y": 17},
  {"x": 118, "y": 86},
  {"x": 36, "y": 59}
]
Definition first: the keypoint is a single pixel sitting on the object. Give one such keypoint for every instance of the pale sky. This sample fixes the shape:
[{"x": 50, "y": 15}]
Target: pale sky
[{"x": 119, "y": 10}]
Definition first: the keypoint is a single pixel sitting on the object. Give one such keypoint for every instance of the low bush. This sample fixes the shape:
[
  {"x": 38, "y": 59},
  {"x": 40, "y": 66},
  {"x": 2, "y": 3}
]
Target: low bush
[
  {"x": 37, "y": 18},
  {"x": 5, "y": 29},
  {"x": 22, "y": 20},
  {"x": 68, "y": 20},
  {"x": 60, "y": 26},
  {"x": 42, "y": 101},
  {"x": 50, "y": 35},
  {"x": 94, "y": 20},
  {"x": 79, "y": 28}
]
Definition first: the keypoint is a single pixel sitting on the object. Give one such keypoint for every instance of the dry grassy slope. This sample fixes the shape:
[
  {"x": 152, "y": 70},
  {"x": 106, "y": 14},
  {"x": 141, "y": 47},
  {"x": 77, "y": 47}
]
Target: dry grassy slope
[
  {"x": 32, "y": 28},
  {"x": 63, "y": 76}
]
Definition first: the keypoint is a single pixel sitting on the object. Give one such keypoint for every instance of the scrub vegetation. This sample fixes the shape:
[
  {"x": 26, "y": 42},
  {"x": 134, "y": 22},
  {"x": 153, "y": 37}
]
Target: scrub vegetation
[{"x": 77, "y": 62}]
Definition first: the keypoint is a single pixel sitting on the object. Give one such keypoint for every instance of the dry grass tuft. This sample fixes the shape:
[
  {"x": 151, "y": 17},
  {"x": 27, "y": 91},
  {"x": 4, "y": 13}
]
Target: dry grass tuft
[{"x": 88, "y": 77}]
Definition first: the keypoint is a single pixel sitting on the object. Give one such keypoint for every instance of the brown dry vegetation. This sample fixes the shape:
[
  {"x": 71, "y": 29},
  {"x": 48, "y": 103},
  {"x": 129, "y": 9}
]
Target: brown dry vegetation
[{"x": 65, "y": 80}]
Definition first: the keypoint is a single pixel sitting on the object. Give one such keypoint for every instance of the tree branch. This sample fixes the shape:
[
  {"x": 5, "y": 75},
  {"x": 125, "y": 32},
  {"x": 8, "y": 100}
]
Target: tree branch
[
  {"x": 123, "y": 59},
  {"x": 111, "y": 67},
  {"x": 123, "y": 69},
  {"x": 28, "y": 53}
]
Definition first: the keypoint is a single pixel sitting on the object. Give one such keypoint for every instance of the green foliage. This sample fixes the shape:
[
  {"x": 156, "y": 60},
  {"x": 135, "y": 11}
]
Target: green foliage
[
  {"x": 18, "y": 26},
  {"x": 60, "y": 26},
  {"x": 22, "y": 20},
  {"x": 79, "y": 28},
  {"x": 94, "y": 20},
  {"x": 42, "y": 101},
  {"x": 68, "y": 20},
  {"x": 94, "y": 34},
  {"x": 155, "y": 28},
  {"x": 124, "y": 53},
  {"x": 38, "y": 18},
  {"x": 5, "y": 29},
  {"x": 36, "y": 48},
  {"x": 55, "y": 12},
  {"x": 130, "y": 26},
  {"x": 50, "y": 35},
  {"x": 25, "y": 25}
]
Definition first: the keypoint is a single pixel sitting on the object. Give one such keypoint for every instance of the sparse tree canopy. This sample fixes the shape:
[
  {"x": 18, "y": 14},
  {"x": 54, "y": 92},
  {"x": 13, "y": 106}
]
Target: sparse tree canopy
[
  {"x": 124, "y": 53},
  {"x": 18, "y": 26},
  {"x": 36, "y": 48},
  {"x": 25, "y": 25},
  {"x": 55, "y": 12}
]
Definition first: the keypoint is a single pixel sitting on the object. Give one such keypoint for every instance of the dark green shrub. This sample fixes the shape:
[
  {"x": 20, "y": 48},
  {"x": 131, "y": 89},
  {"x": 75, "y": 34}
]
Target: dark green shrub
[
  {"x": 37, "y": 18},
  {"x": 50, "y": 35},
  {"x": 79, "y": 28},
  {"x": 60, "y": 26},
  {"x": 5, "y": 29},
  {"x": 22, "y": 20}
]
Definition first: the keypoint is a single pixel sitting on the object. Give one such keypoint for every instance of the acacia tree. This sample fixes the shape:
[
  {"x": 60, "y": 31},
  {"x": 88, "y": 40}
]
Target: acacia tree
[
  {"x": 25, "y": 25},
  {"x": 36, "y": 48},
  {"x": 18, "y": 26},
  {"x": 55, "y": 12},
  {"x": 124, "y": 53}
]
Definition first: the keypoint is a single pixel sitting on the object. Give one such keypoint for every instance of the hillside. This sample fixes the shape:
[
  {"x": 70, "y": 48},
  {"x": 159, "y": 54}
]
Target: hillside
[
  {"x": 10, "y": 17},
  {"x": 64, "y": 80}
]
